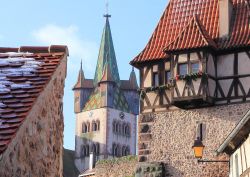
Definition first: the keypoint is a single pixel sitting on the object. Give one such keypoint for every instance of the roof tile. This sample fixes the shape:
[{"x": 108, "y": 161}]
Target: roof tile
[
  {"x": 178, "y": 15},
  {"x": 23, "y": 75}
]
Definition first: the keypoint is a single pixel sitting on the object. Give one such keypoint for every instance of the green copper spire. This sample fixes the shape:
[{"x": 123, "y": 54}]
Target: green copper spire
[{"x": 107, "y": 56}]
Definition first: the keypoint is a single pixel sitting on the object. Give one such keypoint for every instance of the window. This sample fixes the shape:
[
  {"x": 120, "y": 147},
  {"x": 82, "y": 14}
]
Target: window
[
  {"x": 94, "y": 126},
  {"x": 114, "y": 126},
  {"x": 127, "y": 152},
  {"x": 84, "y": 128},
  {"x": 98, "y": 125},
  {"x": 124, "y": 129},
  {"x": 97, "y": 149},
  {"x": 93, "y": 149},
  {"x": 167, "y": 76},
  {"x": 195, "y": 67},
  {"x": 85, "y": 151},
  {"x": 183, "y": 69},
  {"x": 88, "y": 127},
  {"x": 155, "y": 79},
  {"x": 117, "y": 127},
  {"x": 127, "y": 130},
  {"x": 115, "y": 150}
]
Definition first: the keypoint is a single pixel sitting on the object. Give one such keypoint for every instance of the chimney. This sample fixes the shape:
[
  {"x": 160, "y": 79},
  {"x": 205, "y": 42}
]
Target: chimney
[
  {"x": 225, "y": 13},
  {"x": 91, "y": 161}
]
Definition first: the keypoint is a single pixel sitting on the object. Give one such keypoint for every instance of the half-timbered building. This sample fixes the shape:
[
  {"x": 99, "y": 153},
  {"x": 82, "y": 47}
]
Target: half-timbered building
[{"x": 194, "y": 82}]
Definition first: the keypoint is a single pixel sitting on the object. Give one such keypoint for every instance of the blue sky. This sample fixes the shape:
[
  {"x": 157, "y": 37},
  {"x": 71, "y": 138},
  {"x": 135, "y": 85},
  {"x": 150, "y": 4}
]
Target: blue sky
[{"x": 79, "y": 24}]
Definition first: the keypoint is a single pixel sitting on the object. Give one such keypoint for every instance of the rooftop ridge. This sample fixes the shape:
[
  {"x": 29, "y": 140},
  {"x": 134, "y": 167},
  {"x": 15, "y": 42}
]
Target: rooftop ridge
[{"x": 36, "y": 49}]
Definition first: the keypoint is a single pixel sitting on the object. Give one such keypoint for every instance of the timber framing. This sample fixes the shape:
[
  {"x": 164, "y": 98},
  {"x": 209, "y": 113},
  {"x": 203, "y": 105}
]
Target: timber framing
[{"x": 220, "y": 86}]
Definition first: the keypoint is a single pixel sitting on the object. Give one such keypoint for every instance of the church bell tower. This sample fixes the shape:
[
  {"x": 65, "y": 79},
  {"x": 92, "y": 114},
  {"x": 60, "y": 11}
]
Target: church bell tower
[{"x": 106, "y": 109}]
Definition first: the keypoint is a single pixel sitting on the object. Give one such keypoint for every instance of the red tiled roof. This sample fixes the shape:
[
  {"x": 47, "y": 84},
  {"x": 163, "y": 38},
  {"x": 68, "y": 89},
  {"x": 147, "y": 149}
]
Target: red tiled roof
[
  {"x": 24, "y": 73},
  {"x": 193, "y": 36},
  {"x": 178, "y": 15}
]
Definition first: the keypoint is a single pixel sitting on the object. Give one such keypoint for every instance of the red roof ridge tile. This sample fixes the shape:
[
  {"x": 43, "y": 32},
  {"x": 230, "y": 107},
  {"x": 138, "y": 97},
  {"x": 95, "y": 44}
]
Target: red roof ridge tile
[{"x": 36, "y": 49}]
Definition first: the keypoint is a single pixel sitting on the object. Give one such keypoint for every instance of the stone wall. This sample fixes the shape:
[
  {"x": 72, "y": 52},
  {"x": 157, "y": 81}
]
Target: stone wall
[
  {"x": 117, "y": 167},
  {"x": 36, "y": 150},
  {"x": 168, "y": 137}
]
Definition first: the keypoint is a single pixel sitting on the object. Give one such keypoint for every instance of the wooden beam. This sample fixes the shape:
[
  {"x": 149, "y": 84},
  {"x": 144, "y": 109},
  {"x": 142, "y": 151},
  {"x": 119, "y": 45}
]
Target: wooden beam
[{"x": 236, "y": 73}]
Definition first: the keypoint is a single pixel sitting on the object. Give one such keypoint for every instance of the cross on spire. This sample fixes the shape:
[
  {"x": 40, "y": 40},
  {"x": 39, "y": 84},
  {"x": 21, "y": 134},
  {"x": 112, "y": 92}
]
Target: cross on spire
[{"x": 107, "y": 15}]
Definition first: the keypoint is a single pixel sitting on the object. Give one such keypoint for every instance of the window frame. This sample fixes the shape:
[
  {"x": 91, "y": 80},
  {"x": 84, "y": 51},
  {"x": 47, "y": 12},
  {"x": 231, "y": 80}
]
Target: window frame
[
  {"x": 178, "y": 68},
  {"x": 194, "y": 62},
  {"x": 154, "y": 74},
  {"x": 167, "y": 80}
]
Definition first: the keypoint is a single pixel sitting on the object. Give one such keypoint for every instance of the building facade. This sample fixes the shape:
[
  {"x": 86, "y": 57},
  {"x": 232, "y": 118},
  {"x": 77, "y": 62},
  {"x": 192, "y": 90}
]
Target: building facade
[
  {"x": 106, "y": 109},
  {"x": 31, "y": 110},
  {"x": 194, "y": 83}
]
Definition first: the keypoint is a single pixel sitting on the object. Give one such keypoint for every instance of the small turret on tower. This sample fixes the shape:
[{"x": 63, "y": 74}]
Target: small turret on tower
[
  {"x": 132, "y": 80},
  {"x": 82, "y": 90}
]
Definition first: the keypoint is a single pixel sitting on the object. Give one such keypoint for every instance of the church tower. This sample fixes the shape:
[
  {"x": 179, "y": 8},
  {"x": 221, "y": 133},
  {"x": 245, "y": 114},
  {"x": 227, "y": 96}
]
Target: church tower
[{"x": 106, "y": 109}]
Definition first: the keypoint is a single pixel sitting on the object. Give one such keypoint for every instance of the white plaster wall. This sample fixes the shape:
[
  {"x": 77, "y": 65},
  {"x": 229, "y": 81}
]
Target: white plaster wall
[
  {"x": 225, "y": 65},
  {"x": 210, "y": 65},
  {"x": 244, "y": 63},
  {"x": 211, "y": 87},
  {"x": 225, "y": 85},
  {"x": 147, "y": 82},
  {"x": 118, "y": 139},
  {"x": 243, "y": 153}
]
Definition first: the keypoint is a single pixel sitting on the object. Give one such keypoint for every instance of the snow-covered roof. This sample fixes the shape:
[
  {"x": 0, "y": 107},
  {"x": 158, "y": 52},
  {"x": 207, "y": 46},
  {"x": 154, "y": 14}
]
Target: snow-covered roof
[{"x": 24, "y": 73}]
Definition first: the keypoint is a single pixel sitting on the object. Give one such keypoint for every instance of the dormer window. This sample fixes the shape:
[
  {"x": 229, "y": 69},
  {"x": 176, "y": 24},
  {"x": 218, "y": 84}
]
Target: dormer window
[{"x": 182, "y": 68}]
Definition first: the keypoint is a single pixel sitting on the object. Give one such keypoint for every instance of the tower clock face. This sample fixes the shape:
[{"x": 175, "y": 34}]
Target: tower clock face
[
  {"x": 122, "y": 115},
  {"x": 90, "y": 114}
]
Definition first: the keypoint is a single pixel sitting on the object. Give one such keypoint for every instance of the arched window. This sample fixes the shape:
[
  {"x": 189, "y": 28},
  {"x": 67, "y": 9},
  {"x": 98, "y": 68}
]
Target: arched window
[
  {"x": 127, "y": 130},
  {"x": 117, "y": 152},
  {"x": 127, "y": 151},
  {"x": 114, "y": 126},
  {"x": 123, "y": 150},
  {"x": 83, "y": 149},
  {"x": 114, "y": 149},
  {"x": 93, "y": 149},
  {"x": 88, "y": 127},
  {"x": 117, "y": 127},
  {"x": 84, "y": 128},
  {"x": 87, "y": 150},
  {"x": 98, "y": 125},
  {"x": 124, "y": 128},
  {"x": 97, "y": 149},
  {"x": 94, "y": 126}
]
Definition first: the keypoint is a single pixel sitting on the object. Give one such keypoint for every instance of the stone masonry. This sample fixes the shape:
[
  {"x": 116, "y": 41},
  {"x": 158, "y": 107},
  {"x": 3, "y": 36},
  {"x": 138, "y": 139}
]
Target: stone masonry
[
  {"x": 118, "y": 167},
  {"x": 168, "y": 137},
  {"x": 36, "y": 150}
]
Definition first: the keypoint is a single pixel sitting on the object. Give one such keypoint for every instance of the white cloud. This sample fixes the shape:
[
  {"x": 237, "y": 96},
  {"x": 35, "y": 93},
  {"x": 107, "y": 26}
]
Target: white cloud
[{"x": 78, "y": 48}]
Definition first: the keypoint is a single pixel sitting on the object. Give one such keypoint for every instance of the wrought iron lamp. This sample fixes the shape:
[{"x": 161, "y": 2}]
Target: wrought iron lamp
[{"x": 198, "y": 148}]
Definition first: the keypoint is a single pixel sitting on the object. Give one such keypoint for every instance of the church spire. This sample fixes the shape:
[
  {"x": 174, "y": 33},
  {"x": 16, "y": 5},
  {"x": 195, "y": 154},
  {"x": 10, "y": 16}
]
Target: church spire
[{"x": 106, "y": 56}]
